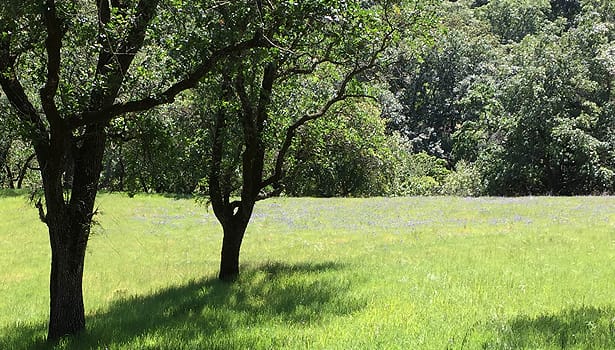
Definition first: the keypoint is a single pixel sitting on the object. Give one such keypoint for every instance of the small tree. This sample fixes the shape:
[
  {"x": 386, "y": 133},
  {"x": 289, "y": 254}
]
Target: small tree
[
  {"x": 346, "y": 153},
  {"x": 326, "y": 56}
]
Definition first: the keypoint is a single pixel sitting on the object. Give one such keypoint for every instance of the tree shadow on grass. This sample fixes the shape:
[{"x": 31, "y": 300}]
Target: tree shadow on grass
[
  {"x": 206, "y": 314},
  {"x": 579, "y": 328},
  {"x": 9, "y": 193}
]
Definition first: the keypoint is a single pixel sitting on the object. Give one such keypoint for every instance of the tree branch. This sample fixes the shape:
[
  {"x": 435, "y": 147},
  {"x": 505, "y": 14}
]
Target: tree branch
[
  {"x": 219, "y": 187},
  {"x": 315, "y": 62},
  {"x": 104, "y": 17},
  {"x": 340, "y": 95},
  {"x": 53, "y": 45},
  {"x": 146, "y": 10},
  {"x": 167, "y": 96},
  {"x": 264, "y": 100},
  {"x": 115, "y": 57},
  {"x": 247, "y": 119},
  {"x": 15, "y": 92},
  {"x": 266, "y": 195},
  {"x": 253, "y": 124},
  {"x": 41, "y": 211}
]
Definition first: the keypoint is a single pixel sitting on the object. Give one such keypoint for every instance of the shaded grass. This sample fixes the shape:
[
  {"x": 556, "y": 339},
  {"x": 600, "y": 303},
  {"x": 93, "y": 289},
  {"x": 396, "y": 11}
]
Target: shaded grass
[
  {"x": 401, "y": 273},
  {"x": 584, "y": 327},
  {"x": 12, "y": 193},
  {"x": 208, "y": 313}
]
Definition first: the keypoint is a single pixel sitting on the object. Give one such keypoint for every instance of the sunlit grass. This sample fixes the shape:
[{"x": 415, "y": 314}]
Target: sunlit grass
[{"x": 401, "y": 273}]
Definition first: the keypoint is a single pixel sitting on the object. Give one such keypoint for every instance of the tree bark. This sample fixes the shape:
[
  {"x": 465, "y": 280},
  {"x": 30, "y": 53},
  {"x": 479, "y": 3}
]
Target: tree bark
[
  {"x": 69, "y": 222},
  {"x": 67, "y": 314},
  {"x": 5, "y": 147},
  {"x": 24, "y": 170},
  {"x": 231, "y": 246},
  {"x": 9, "y": 177}
]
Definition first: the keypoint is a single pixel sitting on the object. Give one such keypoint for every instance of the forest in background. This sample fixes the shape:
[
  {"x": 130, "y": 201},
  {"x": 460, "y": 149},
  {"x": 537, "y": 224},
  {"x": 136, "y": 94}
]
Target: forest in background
[{"x": 507, "y": 97}]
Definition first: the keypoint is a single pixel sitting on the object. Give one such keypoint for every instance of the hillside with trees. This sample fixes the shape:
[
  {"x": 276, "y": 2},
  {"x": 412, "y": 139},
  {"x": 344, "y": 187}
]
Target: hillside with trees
[{"x": 516, "y": 93}]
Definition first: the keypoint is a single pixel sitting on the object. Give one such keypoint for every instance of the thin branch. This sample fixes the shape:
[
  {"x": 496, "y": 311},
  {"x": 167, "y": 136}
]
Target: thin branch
[
  {"x": 314, "y": 64},
  {"x": 167, "y": 96},
  {"x": 275, "y": 193},
  {"x": 292, "y": 129},
  {"x": 41, "y": 211},
  {"x": 363, "y": 96},
  {"x": 340, "y": 95},
  {"x": 24, "y": 169}
]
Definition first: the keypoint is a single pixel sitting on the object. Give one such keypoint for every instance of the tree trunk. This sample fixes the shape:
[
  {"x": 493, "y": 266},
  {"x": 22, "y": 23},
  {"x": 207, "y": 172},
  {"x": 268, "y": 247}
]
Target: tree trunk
[
  {"x": 9, "y": 177},
  {"x": 67, "y": 314},
  {"x": 24, "y": 170},
  {"x": 231, "y": 246},
  {"x": 69, "y": 224},
  {"x": 4, "y": 154}
]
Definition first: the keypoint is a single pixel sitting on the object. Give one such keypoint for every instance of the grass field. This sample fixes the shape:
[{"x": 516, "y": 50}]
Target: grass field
[{"x": 399, "y": 273}]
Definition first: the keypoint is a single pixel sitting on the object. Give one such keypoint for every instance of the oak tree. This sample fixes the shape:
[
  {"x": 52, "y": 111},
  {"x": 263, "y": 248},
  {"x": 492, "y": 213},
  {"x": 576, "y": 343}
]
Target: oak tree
[
  {"x": 70, "y": 67},
  {"x": 328, "y": 54}
]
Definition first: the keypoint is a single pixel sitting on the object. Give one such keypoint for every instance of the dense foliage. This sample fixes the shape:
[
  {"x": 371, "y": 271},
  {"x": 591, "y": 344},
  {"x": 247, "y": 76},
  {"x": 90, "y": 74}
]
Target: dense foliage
[{"x": 516, "y": 93}]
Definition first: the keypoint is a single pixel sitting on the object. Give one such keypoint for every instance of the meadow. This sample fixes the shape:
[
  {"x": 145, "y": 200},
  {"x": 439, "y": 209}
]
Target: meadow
[{"x": 378, "y": 273}]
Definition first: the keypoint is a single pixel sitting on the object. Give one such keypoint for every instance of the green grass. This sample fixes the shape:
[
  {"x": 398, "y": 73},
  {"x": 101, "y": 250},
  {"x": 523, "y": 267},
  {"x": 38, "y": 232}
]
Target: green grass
[{"x": 400, "y": 273}]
